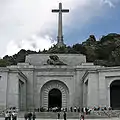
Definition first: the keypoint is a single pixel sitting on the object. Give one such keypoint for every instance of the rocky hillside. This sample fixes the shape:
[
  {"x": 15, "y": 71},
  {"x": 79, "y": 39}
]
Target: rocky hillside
[{"x": 105, "y": 51}]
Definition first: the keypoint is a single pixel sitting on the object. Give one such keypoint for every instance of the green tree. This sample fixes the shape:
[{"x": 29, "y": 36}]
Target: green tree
[{"x": 4, "y": 63}]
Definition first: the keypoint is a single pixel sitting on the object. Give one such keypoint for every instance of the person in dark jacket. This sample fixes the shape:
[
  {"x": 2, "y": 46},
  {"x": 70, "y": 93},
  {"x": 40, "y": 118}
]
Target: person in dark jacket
[
  {"x": 82, "y": 117},
  {"x": 64, "y": 115},
  {"x": 29, "y": 116},
  {"x": 33, "y": 116},
  {"x": 9, "y": 115},
  {"x": 58, "y": 115},
  {"x": 26, "y": 115}
]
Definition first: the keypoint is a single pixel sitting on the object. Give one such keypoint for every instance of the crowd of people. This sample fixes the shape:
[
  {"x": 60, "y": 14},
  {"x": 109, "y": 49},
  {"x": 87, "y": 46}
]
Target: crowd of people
[
  {"x": 57, "y": 109},
  {"x": 10, "y": 114},
  {"x": 71, "y": 109},
  {"x": 102, "y": 108}
]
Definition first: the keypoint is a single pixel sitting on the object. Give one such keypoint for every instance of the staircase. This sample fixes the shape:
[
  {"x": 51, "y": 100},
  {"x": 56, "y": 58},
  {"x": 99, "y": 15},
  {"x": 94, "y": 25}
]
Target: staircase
[
  {"x": 70, "y": 115},
  {"x": 108, "y": 113}
]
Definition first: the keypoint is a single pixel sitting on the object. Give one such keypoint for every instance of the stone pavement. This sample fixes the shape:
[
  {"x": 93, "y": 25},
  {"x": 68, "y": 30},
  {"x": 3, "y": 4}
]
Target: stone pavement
[{"x": 70, "y": 119}]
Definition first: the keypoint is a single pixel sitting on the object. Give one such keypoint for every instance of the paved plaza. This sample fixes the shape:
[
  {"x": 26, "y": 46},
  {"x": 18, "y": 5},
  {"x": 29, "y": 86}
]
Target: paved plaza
[
  {"x": 75, "y": 119},
  {"x": 70, "y": 119}
]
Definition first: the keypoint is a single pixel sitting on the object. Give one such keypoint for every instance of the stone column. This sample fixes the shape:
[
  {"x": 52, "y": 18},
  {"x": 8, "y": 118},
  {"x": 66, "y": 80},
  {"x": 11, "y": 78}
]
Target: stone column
[
  {"x": 102, "y": 90},
  {"x": 93, "y": 90},
  {"x": 60, "y": 36}
]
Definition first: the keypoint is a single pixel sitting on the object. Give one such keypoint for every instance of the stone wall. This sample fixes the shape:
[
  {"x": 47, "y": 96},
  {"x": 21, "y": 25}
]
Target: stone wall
[
  {"x": 13, "y": 90},
  {"x": 3, "y": 88},
  {"x": 60, "y": 74},
  {"x": 69, "y": 59}
]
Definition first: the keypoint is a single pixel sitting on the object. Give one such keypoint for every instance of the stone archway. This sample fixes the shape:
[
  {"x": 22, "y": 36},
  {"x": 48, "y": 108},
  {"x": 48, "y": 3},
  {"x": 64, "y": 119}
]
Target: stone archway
[
  {"x": 54, "y": 84},
  {"x": 114, "y": 94}
]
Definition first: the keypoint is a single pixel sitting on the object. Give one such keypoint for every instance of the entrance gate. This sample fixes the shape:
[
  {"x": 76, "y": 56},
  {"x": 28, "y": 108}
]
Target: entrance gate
[
  {"x": 115, "y": 94},
  {"x": 54, "y": 89},
  {"x": 55, "y": 98}
]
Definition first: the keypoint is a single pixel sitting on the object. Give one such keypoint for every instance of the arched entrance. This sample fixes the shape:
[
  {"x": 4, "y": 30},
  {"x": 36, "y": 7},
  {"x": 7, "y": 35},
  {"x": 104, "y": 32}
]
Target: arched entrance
[
  {"x": 54, "y": 98},
  {"x": 51, "y": 89},
  {"x": 115, "y": 94}
]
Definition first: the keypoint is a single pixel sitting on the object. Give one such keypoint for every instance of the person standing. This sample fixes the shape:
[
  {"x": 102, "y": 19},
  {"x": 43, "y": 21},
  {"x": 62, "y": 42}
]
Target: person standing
[
  {"x": 71, "y": 109},
  {"x": 75, "y": 108},
  {"x": 6, "y": 115},
  {"x": 26, "y": 115},
  {"x": 64, "y": 115},
  {"x": 34, "y": 116},
  {"x": 58, "y": 115},
  {"x": 29, "y": 116},
  {"x": 79, "y": 116},
  {"x": 14, "y": 115},
  {"x": 82, "y": 117},
  {"x": 9, "y": 115}
]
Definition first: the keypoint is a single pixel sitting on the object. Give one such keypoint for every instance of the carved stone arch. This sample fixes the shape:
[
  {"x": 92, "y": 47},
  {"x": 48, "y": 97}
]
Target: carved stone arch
[
  {"x": 114, "y": 94},
  {"x": 111, "y": 81},
  {"x": 51, "y": 85}
]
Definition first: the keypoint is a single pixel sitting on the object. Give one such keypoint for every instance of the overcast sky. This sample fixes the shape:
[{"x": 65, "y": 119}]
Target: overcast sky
[{"x": 30, "y": 24}]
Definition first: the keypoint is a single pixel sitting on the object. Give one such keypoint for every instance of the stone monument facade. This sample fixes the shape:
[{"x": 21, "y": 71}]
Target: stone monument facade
[
  {"x": 32, "y": 84},
  {"x": 58, "y": 80}
]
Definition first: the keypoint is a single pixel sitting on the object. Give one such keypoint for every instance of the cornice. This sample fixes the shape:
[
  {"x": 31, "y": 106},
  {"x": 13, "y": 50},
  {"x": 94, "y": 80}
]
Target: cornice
[
  {"x": 56, "y": 75},
  {"x": 4, "y": 69},
  {"x": 109, "y": 69}
]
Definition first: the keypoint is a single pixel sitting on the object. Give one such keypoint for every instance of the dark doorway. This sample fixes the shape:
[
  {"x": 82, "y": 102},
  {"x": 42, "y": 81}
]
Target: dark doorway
[
  {"x": 115, "y": 94},
  {"x": 54, "y": 98}
]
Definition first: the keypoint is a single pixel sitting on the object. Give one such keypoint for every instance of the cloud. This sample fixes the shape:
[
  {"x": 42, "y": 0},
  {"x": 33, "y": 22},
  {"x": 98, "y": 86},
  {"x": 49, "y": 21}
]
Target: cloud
[
  {"x": 108, "y": 2},
  {"x": 30, "y": 24},
  {"x": 35, "y": 43}
]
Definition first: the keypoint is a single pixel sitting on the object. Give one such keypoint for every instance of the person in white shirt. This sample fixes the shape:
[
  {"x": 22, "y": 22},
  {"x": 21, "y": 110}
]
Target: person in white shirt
[
  {"x": 6, "y": 115},
  {"x": 14, "y": 115}
]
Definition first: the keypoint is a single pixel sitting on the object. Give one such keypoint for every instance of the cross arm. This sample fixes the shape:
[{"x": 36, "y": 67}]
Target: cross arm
[
  {"x": 65, "y": 10},
  {"x": 55, "y": 10}
]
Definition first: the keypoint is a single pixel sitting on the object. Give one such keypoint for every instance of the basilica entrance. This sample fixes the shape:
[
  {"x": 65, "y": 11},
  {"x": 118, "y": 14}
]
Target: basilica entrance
[
  {"x": 114, "y": 94},
  {"x": 54, "y": 98},
  {"x": 54, "y": 93}
]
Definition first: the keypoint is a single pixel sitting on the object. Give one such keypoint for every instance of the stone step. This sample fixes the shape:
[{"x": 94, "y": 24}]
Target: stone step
[{"x": 53, "y": 115}]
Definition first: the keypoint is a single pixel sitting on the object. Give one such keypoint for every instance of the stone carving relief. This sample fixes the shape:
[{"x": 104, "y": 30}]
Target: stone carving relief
[{"x": 54, "y": 60}]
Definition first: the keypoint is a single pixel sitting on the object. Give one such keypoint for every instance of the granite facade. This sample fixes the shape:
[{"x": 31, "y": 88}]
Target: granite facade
[{"x": 26, "y": 85}]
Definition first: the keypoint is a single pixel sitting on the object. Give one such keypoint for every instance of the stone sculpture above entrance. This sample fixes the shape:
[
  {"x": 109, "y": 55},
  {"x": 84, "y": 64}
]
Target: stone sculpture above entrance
[{"x": 54, "y": 60}]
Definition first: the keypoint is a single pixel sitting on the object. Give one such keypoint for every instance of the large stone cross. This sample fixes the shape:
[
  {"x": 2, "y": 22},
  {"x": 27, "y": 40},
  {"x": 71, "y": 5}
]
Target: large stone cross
[{"x": 60, "y": 35}]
